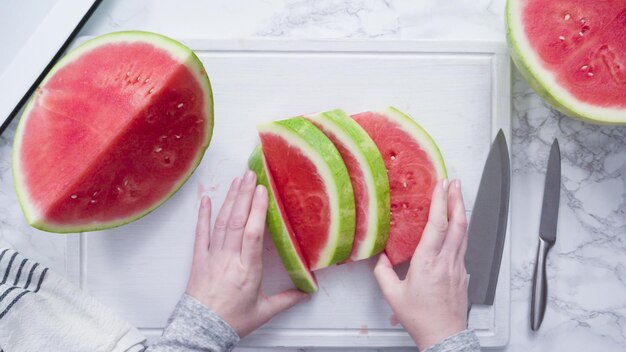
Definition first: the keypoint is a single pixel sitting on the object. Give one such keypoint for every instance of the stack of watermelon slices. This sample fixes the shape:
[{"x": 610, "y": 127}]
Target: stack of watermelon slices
[{"x": 344, "y": 188}]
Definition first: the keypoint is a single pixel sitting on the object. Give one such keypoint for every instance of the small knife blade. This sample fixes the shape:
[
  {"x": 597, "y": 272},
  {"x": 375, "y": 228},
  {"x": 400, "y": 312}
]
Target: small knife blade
[
  {"x": 551, "y": 195},
  {"x": 487, "y": 227},
  {"x": 547, "y": 235}
]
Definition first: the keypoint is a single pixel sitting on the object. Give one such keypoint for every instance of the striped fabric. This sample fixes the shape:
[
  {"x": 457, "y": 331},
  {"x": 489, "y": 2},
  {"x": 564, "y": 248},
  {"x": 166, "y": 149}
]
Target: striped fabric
[
  {"x": 20, "y": 277},
  {"x": 42, "y": 311}
]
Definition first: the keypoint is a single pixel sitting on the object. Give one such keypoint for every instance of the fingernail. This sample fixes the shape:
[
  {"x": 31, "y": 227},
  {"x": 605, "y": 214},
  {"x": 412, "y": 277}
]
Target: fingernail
[
  {"x": 259, "y": 190},
  {"x": 248, "y": 176},
  {"x": 205, "y": 201},
  {"x": 457, "y": 183},
  {"x": 445, "y": 184}
]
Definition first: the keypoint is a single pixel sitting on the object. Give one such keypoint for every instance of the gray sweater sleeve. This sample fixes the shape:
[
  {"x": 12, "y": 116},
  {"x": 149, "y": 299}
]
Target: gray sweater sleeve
[
  {"x": 464, "y": 341},
  {"x": 193, "y": 327}
]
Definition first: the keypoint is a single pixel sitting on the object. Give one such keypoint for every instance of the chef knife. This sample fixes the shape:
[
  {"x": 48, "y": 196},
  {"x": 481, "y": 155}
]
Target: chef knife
[
  {"x": 487, "y": 227},
  {"x": 547, "y": 235}
]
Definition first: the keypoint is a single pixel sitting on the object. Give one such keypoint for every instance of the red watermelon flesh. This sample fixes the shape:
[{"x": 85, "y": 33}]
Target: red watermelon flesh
[
  {"x": 414, "y": 165},
  {"x": 583, "y": 43},
  {"x": 303, "y": 195},
  {"x": 111, "y": 133}
]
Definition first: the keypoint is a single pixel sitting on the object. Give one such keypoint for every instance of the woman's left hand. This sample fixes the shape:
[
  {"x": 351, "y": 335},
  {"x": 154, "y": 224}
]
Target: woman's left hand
[{"x": 227, "y": 264}]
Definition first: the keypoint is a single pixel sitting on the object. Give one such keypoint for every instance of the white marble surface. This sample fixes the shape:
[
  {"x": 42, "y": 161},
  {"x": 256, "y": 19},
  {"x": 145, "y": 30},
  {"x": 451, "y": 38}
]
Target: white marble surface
[{"x": 587, "y": 267}]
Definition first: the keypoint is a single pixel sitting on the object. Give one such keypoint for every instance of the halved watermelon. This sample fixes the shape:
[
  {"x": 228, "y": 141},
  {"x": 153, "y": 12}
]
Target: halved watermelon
[
  {"x": 369, "y": 180},
  {"x": 312, "y": 183},
  {"x": 115, "y": 128},
  {"x": 573, "y": 53},
  {"x": 281, "y": 231},
  {"x": 414, "y": 165}
]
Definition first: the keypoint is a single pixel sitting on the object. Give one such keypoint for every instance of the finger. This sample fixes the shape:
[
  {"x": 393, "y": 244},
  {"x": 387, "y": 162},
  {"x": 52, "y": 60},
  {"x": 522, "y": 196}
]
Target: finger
[
  {"x": 252, "y": 246},
  {"x": 437, "y": 225},
  {"x": 203, "y": 228},
  {"x": 462, "y": 250},
  {"x": 219, "y": 229},
  {"x": 240, "y": 213},
  {"x": 283, "y": 301},
  {"x": 386, "y": 277},
  {"x": 457, "y": 227}
]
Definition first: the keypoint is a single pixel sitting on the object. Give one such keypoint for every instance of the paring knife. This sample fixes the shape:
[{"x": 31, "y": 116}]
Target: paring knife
[
  {"x": 487, "y": 227},
  {"x": 547, "y": 235}
]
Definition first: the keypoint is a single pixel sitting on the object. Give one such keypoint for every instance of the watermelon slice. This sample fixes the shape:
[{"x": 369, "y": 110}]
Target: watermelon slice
[
  {"x": 573, "y": 53},
  {"x": 312, "y": 184},
  {"x": 115, "y": 128},
  {"x": 414, "y": 165},
  {"x": 281, "y": 231},
  {"x": 369, "y": 180}
]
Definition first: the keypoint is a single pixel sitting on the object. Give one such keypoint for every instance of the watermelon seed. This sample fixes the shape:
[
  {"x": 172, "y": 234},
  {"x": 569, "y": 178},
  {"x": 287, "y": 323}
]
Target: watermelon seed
[
  {"x": 163, "y": 137},
  {"x": 125, "y": 182},
  {"x": 590, "y": 74},
  {"x": 127, "y": 73},
  {"x": 581, "y": 34},
  {"x": 94, "y": 194},
  {"x": 177, "y": 136},
  {"x": 567, "y": 17},
  {"x": 73, "y": 196},
  {"x": 584, "y": 68},
  {"x": 147, "y": 80},
  {"x": 119, "y": 189},
  {"x": 404, "y": 184},
  {"x": 180, "y": 105},
  {"x": 404, "y": 205},
  {"x": 157, "y": 149},
  {"x": 561, "y": 38},
  {"x": 393, "y": 157},
  {"x": 166, "y": 159},
  {"x": 151, "y": 90},
  {"x": 92, "y": 201}
]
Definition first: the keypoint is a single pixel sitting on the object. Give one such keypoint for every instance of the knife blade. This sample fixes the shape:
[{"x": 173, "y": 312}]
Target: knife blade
[
  {"x": 487, "y": 228},
  {"x": 547, "y": 234}
]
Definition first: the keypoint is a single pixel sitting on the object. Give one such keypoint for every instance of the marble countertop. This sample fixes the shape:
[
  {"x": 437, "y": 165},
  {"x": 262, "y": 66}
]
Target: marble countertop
[{"x": 586, "y": 268}]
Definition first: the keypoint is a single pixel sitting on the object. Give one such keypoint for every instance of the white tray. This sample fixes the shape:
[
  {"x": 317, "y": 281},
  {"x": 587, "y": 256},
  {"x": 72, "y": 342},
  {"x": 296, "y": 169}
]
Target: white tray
[{"x": 460, "y": 92}]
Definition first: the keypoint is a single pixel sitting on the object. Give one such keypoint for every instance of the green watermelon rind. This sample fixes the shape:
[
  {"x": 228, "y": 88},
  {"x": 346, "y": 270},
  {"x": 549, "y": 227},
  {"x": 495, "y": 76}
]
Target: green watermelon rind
[
  {"x": 363, "y": 148},
  {"x": 297, "y": 269},
  {"x": 303, "y": 135},
  {"x": 417, "y": 132},
  {"x": 179, "y": 51},
  {"x": 543, "y": 82}
]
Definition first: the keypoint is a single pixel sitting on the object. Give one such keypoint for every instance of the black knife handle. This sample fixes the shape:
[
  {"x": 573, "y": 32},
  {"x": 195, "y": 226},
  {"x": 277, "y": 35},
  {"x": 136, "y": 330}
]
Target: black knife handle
[{"x": 540, "y": 286}]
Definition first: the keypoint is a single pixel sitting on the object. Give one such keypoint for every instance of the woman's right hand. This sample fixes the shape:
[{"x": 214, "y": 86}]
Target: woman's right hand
[{"x": 431, "y": 302}]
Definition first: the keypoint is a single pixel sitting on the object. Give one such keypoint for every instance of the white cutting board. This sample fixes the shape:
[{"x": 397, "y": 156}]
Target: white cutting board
[{"x": 460, "y": 92}]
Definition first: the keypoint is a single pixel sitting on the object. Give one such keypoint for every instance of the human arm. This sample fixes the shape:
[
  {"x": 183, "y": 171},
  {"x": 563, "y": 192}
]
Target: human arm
[{"x": 431, "y": 302}]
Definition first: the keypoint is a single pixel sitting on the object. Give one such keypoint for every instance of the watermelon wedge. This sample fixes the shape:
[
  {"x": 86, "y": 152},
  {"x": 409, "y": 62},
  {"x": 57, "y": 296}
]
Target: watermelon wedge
[
  {"x": 281, "y": 231},
  {"x": 369, "y": 180},
  {"x": 414, "y": 165},
  {"x": 312, "y": 184},
  {"x": 114, "y": 129},
  {"x": 573, "y": 54}
]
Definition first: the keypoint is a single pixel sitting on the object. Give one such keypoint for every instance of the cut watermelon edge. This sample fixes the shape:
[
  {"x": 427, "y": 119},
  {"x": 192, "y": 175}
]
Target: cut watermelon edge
[
  {"x": 303, "y": 135},
  {"x": 364, "y": 150},
  {"x": 424, "y": 139},
  {"x": 543, "y": 81},
  {"x": 288, "y": 250},
  {"x": 182, "y": 54}
]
